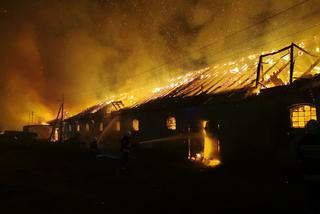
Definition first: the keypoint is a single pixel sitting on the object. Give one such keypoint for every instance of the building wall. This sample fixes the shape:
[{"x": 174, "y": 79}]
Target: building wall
[{"x": 254, "y": 127}]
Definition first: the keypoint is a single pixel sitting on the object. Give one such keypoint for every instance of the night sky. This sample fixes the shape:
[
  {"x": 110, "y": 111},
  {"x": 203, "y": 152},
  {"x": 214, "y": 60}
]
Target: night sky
[{"x": 90, "y": 49}]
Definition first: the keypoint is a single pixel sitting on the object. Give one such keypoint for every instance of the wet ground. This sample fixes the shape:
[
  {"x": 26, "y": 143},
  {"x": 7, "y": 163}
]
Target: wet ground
[{"x": 62, "y": 179}]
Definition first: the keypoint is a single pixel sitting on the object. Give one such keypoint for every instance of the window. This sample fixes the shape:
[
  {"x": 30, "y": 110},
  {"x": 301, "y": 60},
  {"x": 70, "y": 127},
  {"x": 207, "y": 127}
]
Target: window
[
  {"x": 101, "y": 127},
  {"x": 78, "y": 127},
  {"x": 118, "y": 125},
  {"x": 171, "y": 123},
  {"x": 135, "y": 125},
  {"x": 87, "y": 127},
  {"x": 108, "y": 109},
  {"x": 301, "y": 114},
  {"x": 204, "y": 124},
  {"x": 56, "y": 134},
  {"x": 70, "y": 128}
]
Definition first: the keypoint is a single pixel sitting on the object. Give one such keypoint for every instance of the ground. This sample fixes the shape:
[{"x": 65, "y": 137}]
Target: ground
[{"x": 64, "y": 179}]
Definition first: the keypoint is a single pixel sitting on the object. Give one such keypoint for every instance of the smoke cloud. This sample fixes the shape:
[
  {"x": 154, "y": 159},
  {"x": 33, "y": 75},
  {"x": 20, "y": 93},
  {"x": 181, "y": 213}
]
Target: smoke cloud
[{"x": 91, "y": 49}]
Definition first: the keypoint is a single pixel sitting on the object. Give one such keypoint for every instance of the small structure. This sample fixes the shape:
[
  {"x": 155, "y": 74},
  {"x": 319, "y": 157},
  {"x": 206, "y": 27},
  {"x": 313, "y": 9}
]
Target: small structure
[{"x": 42, "y": 131}]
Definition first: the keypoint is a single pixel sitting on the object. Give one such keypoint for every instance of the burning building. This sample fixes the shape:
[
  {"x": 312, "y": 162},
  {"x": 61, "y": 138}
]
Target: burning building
[
  {"x": 254, "y": 106},
  {"x": 91, "y": 122}
]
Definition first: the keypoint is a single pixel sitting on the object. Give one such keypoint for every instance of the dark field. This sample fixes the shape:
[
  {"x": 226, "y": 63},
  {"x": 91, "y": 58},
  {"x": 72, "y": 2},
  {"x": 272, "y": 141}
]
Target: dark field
[{"x": 63, "y": 179}]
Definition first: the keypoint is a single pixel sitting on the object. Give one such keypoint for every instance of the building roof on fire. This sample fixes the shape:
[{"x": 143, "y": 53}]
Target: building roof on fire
[{"x": 234, "y": 79}]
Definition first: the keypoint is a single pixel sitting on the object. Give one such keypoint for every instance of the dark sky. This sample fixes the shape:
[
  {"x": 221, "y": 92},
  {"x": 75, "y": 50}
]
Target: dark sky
[{"x": 90, "y": 49}]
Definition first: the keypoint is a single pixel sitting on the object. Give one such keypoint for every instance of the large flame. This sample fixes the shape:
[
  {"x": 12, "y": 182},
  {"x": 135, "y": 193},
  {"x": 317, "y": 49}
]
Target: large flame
[
  {"x": 97, "y": 51},
  {"x": 235, "y": 74}
]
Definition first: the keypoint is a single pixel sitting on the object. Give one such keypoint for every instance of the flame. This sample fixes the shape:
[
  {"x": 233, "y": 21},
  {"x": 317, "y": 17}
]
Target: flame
[
  {"x": 252, "y": 57},
  {"x": 286, "y": 57},
  {"x": 240, "y": 71},
  {"x": 211, "y": 150},
  {"x": 234, "y": 70}
]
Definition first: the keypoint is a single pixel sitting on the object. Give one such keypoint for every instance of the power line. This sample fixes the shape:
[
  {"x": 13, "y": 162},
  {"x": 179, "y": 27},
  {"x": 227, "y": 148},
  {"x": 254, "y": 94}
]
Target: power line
[
  {"x": 239, "y": 44},
  {"x": 259, "y": 22},
  {"x": 235, "y": 33},
  {"x": 263, "y": 43},
  {"x": 217, "y": 41}
]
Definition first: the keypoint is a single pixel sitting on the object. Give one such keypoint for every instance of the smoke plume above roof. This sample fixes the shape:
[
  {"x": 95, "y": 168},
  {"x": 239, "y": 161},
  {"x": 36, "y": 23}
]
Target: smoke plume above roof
[{"x": 91, "y": 49}]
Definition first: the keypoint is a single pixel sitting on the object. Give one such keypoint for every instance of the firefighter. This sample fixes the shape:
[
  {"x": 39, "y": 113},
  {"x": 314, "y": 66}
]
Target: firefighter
[
  {"x": 309, "y": 157},
  {"x": 94, "y": 146},
  {"x": 125, "y": 149}
]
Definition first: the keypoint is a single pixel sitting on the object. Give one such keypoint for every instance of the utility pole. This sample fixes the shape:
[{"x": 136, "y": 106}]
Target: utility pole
[
  {"x": 291, "y": 62},
  {"x": 61, "y": 128},
  {"x": 189, "y": 145},
  {"x": 259, "y": 68},
  {"x": 59, "y": 121}
]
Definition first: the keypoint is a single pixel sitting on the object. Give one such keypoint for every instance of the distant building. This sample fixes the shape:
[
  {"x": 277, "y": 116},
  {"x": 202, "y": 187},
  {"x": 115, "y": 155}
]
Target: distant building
[{"x": 43, "y": 131}]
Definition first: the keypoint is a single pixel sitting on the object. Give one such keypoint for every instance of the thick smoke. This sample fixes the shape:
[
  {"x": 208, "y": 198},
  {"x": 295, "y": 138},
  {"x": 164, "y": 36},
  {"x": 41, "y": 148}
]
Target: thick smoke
[{"x": 91, "y": 49}]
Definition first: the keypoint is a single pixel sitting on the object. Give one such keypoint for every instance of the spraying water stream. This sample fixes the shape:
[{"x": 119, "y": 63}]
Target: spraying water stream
[{"x": 207, "y": 152}]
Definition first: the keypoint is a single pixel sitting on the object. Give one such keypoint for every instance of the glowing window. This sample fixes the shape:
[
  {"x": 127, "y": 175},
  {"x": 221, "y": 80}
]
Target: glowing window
[
  {"x": 78, "y": 127},
  {"x": 204, "y": 124},
  {"x": 87, "y": 127},
  {"x": 56, "y": 134},
  {"x": 101, "y": 127},
  {"x": 108, "y": 109},
  {"x": 301, "y": 114},
  {"x": 171, "y": 123},
  {"x": 135, "y": 125},
  {"x": 70, "y": 128},
  {"x": 118, "y": 126}
]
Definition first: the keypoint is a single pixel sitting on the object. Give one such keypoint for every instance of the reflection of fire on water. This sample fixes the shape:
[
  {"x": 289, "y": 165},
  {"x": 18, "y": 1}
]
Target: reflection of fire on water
[{"x": 211, "y": 149}]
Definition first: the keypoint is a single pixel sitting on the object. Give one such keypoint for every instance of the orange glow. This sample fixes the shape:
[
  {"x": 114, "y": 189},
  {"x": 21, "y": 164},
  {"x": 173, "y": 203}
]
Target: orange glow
[
  {"x": 224, "y": 76},
  {"x": 301, "y": 114},
  {"x": 171, "y": 123},
  {"x": 210, "y": 156},
  {"x": 135, "y": 125}
]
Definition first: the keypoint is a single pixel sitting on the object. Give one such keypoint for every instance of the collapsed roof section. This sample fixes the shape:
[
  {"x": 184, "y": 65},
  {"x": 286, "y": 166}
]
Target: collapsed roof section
[
  {"x": 286, "y": 65},
  {"x": 273, "y": 69},
  {"x": 256, "y": 72},
  {"x": 106, "y": 107}
]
